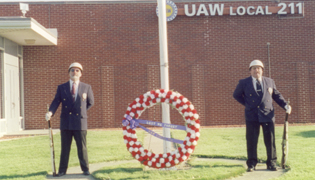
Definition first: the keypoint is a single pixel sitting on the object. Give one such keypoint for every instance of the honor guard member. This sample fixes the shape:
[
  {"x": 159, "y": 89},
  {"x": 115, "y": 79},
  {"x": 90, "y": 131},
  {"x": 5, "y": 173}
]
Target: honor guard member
[
  {"x": 256, "y": 94},
  {"x": 76, "y": 98}
]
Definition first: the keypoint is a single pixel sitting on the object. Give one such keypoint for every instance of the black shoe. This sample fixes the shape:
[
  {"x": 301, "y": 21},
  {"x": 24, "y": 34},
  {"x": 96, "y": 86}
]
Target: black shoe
[
  {"x": 250, "y": 169},
  {"x": 86, "y": 173},
  {"x": 61, "y": 174},
  {"x": 272, "y": 168}
]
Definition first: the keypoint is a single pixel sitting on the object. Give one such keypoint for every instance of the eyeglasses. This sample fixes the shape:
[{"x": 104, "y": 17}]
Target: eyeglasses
[{"x": 76, "y": 70}]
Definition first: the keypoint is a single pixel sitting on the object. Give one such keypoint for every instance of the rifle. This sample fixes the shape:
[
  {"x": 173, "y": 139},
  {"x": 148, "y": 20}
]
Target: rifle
[
  {"x": 52, "y": 149},
  {"x": 285, "y": 144}
]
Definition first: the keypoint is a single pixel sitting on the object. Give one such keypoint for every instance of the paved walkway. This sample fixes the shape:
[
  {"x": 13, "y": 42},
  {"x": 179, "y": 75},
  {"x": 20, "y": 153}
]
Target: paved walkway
[
  {"x": 153, "y": 143},
  {"x": 261, "y": 173},
  {"x": 76, "y": 172}
]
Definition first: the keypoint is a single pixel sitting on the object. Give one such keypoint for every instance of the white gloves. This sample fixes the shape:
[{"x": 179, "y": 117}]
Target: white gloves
[
  {"x": 288, "y": 109},
  {"x": 48, "y": 116}
]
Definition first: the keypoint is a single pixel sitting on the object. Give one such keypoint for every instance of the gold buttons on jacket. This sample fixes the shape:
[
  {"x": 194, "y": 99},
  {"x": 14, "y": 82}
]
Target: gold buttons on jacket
[
  {"x": 250, "y": 94},
  {"x": 70, "y": 113},
  {"x": 257, "y": 106},
  {"x": 253, "y": 101},
  {"x": 64, "y": 99},
  {"x": 65, "y": 106},
  {"x": 77, "y": 114}
]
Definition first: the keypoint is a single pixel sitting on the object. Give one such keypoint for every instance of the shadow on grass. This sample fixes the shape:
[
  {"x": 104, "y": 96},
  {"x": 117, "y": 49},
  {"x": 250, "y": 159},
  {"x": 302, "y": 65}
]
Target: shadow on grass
[
  {"x": 217, "y": 165},
  {"x": 219, "y": 156},
  {"x": 131, "y": 171},
  {"x": 120, "y": 170},
  {"x": 127, "y": 170},
  {"x": 26, "y": 176},
  {"x": 307, "y": 134},
  {"x": 226, "y": 157}
]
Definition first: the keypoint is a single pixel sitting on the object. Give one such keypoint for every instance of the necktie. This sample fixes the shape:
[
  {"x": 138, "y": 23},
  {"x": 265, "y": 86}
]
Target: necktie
[
  {"x": 258, "y": 88},
  {"x": 73, "y": 91}
]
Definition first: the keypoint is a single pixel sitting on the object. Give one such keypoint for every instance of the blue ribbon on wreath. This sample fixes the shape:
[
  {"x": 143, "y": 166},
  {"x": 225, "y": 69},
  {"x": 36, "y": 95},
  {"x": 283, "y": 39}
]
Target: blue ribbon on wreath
[{"x": 134, "y": 123}]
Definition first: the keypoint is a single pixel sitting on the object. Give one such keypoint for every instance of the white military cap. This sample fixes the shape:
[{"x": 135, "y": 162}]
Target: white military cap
[
  {"x": 256, "y": 63},
  {"x": 75, "y": 64}
]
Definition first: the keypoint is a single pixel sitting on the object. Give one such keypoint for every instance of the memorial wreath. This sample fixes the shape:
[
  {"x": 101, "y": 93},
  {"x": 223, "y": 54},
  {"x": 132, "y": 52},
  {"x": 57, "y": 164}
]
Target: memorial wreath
[{"x": 131, "y": 121}]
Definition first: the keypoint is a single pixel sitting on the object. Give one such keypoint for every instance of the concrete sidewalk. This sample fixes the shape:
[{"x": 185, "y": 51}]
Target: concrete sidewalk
[
  {"x": 156, "y": 145},
  {"x": 261, "y": 173},
  {"x": 76, "y": 172}
]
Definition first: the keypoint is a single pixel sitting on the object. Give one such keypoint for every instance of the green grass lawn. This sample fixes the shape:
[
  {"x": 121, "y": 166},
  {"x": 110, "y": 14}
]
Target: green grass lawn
[
  {"x": 195, "y": 169},
  {"x": 231, "y": 143},
  {"x": 29, "y": 158}
]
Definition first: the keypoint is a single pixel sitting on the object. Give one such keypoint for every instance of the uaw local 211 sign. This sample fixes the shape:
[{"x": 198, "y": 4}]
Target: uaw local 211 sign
[{"x": 220, "y": 9}]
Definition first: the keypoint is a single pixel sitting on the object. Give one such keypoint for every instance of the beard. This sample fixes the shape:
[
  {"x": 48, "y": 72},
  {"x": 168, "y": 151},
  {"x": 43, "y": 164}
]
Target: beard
[{"x": 75, "y": 77}]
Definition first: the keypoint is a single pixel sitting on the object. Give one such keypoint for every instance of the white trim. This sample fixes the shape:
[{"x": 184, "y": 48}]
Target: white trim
[
  {"x": 22, "y": 105},
  {"x": 3, "y": 121},
  {"x": 14, "y": 27},
  {"x": 114, "y": 1},
  {"x": 71, "y": 1},
  {"x": 2, "y": 81}
]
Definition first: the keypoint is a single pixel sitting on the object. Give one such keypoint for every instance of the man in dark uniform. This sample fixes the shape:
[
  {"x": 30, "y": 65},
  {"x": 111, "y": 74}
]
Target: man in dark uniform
[
  {"x": 256, "y": 94},
  {"x": 76, "y": 98}
]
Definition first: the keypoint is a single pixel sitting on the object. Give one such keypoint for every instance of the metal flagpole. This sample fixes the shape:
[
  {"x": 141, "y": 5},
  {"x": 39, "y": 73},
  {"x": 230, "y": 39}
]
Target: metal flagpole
[{"x": 164, "y": 69}]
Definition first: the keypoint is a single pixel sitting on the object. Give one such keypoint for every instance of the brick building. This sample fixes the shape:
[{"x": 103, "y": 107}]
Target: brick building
[{"x": 117, "y": 42}]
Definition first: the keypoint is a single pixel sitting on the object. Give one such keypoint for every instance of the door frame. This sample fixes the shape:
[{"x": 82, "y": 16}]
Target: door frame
[
  {"x": 12, "y": 92},
  {"x": 3, "y": 122},
  {"x": 16, "y": 51}
]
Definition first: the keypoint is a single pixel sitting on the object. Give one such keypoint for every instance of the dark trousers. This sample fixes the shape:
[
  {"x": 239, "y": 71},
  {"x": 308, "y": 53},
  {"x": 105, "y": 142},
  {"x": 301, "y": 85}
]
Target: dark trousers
[
  {"x": 252, "y": 134},
  {"x": 66, "y": 140}
]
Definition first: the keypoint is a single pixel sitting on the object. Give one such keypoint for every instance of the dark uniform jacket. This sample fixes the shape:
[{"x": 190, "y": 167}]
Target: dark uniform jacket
[
  {"x": 73, "y": 114},
  {"x": 258, "y": 108}
]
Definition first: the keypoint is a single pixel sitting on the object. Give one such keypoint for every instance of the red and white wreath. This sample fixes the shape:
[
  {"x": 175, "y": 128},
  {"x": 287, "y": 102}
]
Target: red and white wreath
[{"x": 184, "y": 107}]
